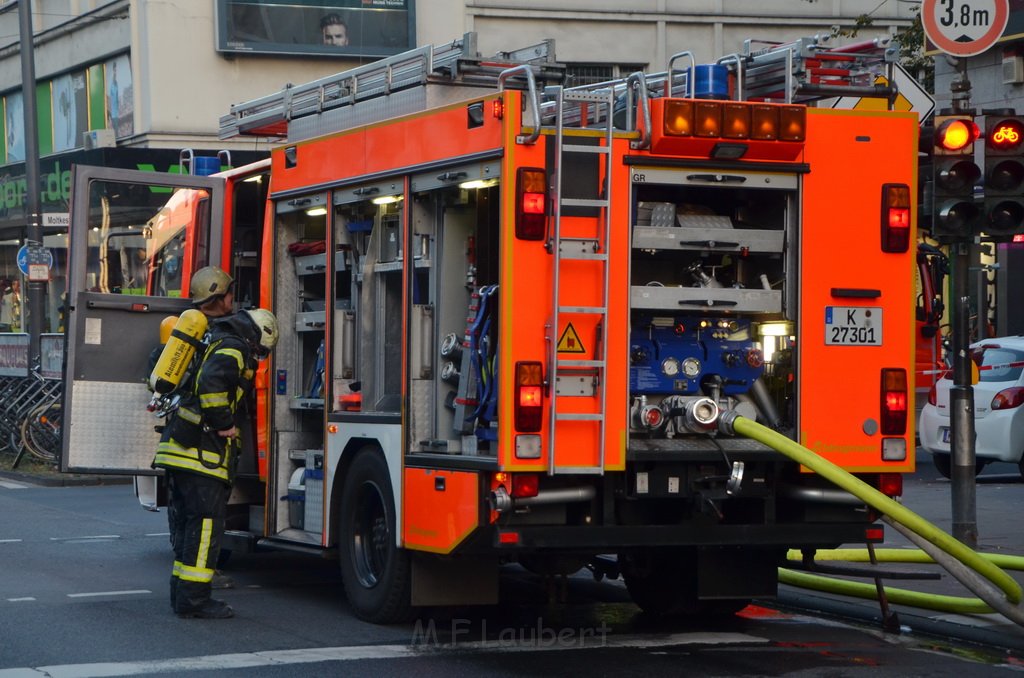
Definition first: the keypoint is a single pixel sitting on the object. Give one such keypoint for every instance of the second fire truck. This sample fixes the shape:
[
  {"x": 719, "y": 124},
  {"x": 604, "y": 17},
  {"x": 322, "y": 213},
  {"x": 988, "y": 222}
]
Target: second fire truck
[{"x": 514, "y": 313}]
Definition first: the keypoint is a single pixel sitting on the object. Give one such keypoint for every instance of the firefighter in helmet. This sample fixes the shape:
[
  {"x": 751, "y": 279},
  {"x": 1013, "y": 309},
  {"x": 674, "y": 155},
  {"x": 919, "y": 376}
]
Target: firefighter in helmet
[
  {"x": 198, "y": 451},
  {"x": 213, "y": 292}
]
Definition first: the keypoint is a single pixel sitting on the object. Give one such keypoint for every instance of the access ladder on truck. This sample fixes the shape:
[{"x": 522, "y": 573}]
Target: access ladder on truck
[{"x": 575, "y": 376}]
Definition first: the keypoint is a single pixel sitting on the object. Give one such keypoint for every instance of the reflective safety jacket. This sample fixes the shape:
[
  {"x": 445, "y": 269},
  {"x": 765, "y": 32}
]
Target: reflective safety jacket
[{"x": 216, "y": 402}]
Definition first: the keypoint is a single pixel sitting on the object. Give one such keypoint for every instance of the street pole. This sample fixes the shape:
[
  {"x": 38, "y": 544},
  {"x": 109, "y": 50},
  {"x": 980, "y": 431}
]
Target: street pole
[
  {"x": 961, "y": 396},
  {"x": 33, "y": 225},
  {"x": 961, "y": 403}
]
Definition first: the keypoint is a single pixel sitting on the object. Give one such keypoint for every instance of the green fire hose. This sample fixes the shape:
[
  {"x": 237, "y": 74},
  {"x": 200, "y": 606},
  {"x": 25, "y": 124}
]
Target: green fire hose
[{"x": 980, "y": 573}]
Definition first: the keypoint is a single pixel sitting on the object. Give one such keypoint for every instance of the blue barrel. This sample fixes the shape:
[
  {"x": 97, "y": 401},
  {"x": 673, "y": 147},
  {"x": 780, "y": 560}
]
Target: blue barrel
[
  {"x": 204, "y": 166},
  {"x": 712, "y": 82}
]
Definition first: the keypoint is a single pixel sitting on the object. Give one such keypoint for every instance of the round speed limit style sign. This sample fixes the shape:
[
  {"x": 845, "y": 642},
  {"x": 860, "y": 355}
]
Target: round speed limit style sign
[{"x": 964, "y": 27}]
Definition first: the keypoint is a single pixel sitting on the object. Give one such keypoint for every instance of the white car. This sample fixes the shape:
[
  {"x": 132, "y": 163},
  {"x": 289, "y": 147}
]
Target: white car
[{"x": 998, "y": 415}]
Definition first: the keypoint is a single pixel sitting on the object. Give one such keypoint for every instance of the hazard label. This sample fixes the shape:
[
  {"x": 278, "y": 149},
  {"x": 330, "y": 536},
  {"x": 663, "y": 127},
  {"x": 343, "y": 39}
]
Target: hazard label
[{"x": 570, "y": 342}]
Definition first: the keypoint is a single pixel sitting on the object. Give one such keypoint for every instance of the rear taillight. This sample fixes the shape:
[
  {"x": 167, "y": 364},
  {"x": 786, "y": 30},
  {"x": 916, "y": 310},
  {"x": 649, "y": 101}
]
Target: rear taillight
[
  {"x": 890, "y": 484},
  {"x": 895, "y": 218},
  {"x": 529, "y": 396},
  {"x": 933, "y": 398},
  {"x": 531, "y": 203},
  {"x": 894, "y": 401},
  {"x": 1008, "y": 398},
  {"x": 525, "y": 485}
]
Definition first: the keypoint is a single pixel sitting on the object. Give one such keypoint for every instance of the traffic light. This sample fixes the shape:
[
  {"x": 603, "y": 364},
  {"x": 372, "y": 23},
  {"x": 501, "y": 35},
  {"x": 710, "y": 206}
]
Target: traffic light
[
  {"x": 1004, "y": 176},
  {"x": 954, "y": 173}
]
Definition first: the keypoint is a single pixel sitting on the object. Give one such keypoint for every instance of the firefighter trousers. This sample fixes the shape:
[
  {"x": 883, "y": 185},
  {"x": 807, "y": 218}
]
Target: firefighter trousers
[{"x": 196, "y": 509}]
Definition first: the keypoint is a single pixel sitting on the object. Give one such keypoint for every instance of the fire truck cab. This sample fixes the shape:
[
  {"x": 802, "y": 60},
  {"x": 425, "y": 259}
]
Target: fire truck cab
[{"x": 514, "y": 313}]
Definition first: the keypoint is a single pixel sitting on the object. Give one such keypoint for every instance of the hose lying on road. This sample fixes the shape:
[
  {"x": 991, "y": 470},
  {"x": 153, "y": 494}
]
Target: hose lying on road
[
  {"x": 980, "y": 575},
  {"x": 856, "y": 589}
]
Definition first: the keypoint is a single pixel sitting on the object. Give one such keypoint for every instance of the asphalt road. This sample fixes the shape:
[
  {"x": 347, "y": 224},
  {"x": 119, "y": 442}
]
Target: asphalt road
[{"x": 84, "y": 593}]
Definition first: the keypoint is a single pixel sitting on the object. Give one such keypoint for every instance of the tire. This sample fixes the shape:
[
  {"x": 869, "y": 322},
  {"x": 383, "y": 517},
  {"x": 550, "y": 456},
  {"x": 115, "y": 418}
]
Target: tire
[
  {"x": 375, "y": 572},
  {"x": 944, "y": 465},
  {"x": 664, "y": 584}
]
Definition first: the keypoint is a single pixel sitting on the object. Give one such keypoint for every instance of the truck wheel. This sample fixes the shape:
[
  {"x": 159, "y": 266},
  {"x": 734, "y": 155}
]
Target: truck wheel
[
  {"x": 374, "y": 571},
  {"x": 665, "y": 584}
]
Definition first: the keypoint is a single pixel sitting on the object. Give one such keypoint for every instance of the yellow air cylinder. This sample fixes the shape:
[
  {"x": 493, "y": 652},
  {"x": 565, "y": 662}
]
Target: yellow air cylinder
[
  {"x": 166, "y": 327},
  {"x": 178, "y": 351}
]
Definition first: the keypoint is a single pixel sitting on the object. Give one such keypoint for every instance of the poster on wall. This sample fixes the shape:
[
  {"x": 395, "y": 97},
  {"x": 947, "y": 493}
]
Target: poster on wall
[
  {"x": 14, "y": 127},
  {"x": 351, "y": 28},
  {"x": 117, "y": 75},
  {"x": 70, "y": 114}
]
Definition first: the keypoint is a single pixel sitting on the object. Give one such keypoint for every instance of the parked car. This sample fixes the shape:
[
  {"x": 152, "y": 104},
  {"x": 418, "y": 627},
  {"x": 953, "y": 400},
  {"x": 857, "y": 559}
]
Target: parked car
[{"x": 998, "y": 415}]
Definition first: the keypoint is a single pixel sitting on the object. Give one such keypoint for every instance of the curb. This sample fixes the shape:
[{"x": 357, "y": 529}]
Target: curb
[{"x": 65, "y": 480}]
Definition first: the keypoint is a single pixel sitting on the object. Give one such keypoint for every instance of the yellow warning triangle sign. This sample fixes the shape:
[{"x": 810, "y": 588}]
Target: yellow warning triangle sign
[{"x": 570, "y": 342}]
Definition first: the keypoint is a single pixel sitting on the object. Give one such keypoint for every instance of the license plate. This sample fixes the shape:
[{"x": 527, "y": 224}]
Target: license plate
[
  {"x": 944, "y": 432},
  {"x": 853, "y": 325}
]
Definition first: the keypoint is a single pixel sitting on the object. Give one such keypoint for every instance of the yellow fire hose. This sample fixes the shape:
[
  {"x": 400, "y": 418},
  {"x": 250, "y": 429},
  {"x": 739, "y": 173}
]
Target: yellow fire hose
[{"x": 980, "y": 573}]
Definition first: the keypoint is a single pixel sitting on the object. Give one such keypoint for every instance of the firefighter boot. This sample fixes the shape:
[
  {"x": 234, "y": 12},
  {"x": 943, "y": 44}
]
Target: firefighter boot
[{"x": 211, "y": 609}]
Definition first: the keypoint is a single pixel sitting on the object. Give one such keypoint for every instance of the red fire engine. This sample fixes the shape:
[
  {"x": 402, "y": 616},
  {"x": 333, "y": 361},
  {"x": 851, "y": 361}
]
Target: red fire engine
[{"x": 513, "y": 313}]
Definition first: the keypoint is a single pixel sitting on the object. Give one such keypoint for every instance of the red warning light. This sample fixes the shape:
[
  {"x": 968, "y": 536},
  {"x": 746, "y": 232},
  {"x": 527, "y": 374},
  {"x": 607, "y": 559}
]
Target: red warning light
[{"x": 955, "y": 134}]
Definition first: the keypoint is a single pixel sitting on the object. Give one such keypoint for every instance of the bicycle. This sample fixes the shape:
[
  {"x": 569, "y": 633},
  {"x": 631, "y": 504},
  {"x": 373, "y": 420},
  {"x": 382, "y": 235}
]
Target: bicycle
[{"x": 40, "y": 431}]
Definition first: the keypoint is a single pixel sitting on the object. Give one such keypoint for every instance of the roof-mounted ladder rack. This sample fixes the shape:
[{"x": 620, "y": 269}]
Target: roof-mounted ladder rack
[
  {"x": 456, "y": 63},
  {"x": 809, "y": 69}
]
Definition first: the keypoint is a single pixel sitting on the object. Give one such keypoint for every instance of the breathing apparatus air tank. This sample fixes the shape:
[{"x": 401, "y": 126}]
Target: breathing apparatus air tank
[{"x": 185, "y": 339}]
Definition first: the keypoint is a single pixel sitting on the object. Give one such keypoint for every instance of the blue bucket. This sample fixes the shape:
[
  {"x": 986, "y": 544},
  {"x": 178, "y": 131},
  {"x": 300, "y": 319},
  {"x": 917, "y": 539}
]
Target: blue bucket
[{"x": 711, "y": 82}]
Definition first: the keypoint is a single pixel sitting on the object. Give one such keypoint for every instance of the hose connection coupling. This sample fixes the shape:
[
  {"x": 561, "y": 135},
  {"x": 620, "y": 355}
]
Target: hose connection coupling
[
  {"x": 726, "y": 422},
  {"x": 501, "y": 501},
  {"x": 701, "y": 414}
]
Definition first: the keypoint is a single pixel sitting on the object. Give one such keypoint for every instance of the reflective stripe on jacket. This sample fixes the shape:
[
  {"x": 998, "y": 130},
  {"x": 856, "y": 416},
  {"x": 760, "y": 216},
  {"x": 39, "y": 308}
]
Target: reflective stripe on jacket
[{"x": 190, "y": 441}]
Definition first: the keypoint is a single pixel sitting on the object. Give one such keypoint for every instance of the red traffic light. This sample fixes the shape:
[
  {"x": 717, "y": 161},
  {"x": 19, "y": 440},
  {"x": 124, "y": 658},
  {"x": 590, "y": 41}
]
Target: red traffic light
[
  {"x": 1006, "y": 134},
  {"x": 955, "y": 134}
]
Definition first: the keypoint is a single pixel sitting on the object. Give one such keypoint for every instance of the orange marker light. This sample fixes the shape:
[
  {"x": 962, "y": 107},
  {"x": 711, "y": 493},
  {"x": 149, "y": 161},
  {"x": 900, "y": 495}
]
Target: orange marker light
[
  {"x": 736, "y": 121},
  {"x": 708, "y": 118},
  {"x": 679, "y": 118}
]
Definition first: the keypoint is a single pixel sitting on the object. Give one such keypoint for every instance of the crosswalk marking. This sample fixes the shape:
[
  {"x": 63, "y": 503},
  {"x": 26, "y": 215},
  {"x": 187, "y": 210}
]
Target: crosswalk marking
[
  {"x": 108, "y": 593},
  {"x": 11, "y": 485}
]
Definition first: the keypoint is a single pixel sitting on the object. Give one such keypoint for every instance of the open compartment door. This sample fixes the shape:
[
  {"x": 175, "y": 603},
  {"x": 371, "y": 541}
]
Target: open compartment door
[{"x": 134, "y": 240}]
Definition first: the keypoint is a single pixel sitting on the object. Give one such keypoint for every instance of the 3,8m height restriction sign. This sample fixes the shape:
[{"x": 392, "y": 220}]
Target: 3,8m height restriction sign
[{"x": 964, "y": 27}]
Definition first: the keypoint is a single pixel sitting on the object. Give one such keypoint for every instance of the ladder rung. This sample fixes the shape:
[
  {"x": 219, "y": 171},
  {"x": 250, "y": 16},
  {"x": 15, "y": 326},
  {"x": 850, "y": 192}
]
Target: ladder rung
[
  {"x": 590, "y": 256},
  {"x": 589, "y": 310},
  {"x": 578, "y": 416},
  {"x": 578, "y": 470},
  {"x": 581, "y": 202},
  {"x": 580, "y": 363},
  {"x": 598, "y": 97},
  {"x": 580, "y": 148}
]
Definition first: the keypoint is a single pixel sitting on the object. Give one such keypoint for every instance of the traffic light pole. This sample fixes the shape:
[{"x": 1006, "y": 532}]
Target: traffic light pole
[
  {"x": 961, "y": 403},
  {"x": 961, "y": 396}
]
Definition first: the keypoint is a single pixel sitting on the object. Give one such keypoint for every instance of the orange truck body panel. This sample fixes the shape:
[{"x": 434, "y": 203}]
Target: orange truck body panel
[
  {"x": 454, "y": 501},
  {"x": 840, "y": 249}
]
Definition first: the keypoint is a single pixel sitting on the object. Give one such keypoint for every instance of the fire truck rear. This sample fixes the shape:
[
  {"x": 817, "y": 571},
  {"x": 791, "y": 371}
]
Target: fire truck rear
[{"x": 515, "y": 313}]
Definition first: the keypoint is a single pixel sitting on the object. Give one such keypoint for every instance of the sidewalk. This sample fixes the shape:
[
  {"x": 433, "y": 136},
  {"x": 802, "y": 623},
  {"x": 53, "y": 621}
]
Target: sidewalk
[{"x": 999, "y": 499}]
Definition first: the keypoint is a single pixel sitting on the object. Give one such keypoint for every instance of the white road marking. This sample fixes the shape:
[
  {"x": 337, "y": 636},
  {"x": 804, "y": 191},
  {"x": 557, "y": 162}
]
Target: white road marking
[
  {"x": 157, "y": 534},
  {"x": 9, "y": 541},
  {"x": 20, "y": 600},
  {"x": 108, "y": 593},
  {"x": 88, "y": 537},
  {"x": 11, "y": 485},
  {"x": 223, "y": 662}
]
